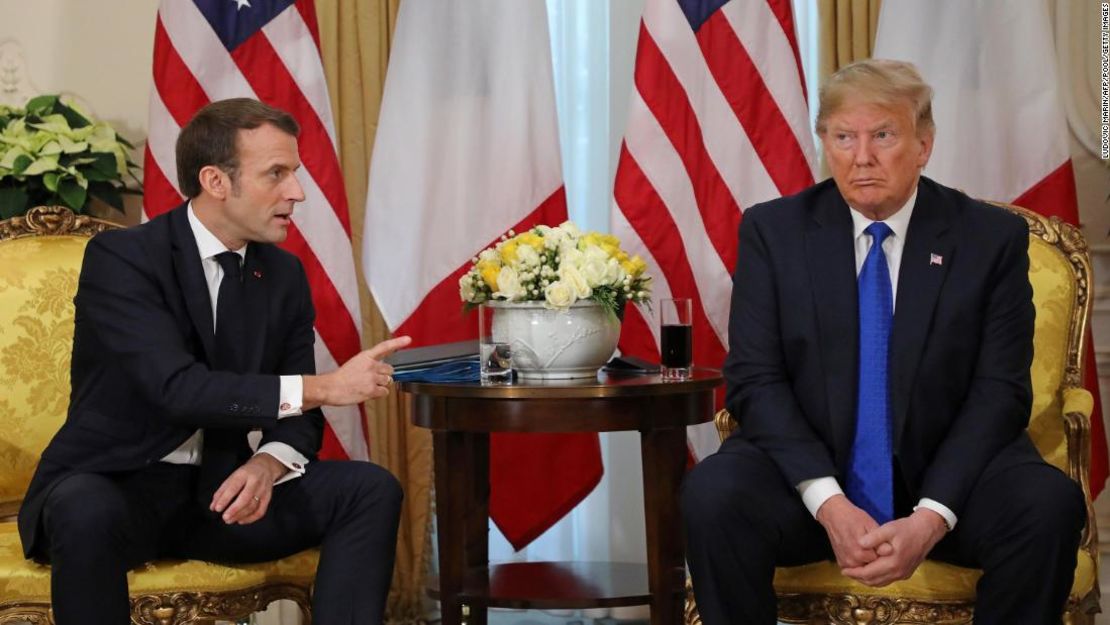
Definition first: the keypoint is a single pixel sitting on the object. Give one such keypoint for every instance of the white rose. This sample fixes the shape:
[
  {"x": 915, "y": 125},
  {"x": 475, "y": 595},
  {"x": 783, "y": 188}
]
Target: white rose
[
  {"x": 527, "y": 256},
  {"x": 489, "y": 255},
  {"x": 508, "y": 285},
  {"x": 570, "y": 229},
  {"x": 595, "y": 271},
  {"x": 558, "y": 294},
  {"x": 614, "y": 273},
  {"x": 466, "y": 288},
  {"x": 570, "y": 255},
  {"x": 572, "y": 277}
]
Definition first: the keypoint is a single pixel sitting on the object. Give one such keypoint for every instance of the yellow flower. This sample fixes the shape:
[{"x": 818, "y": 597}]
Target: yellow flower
[
  {"x": 635, "y": 266},
  {"x": 531, "y": 239},
  {"x": 508, "y": 251},
  {"x": 489, "y": 271}
]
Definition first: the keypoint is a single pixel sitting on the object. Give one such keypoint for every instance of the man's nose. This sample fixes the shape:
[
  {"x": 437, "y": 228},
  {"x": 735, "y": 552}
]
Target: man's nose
[
  {"x": 864, "y": 153},
  {"x": 293, "y": 190}
]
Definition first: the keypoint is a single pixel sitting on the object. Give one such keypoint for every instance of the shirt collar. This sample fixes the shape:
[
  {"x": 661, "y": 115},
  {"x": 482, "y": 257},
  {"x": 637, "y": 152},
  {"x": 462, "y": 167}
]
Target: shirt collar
[
  {"x": 899, "y": 222},
  {"x": 207, "y": 243}
]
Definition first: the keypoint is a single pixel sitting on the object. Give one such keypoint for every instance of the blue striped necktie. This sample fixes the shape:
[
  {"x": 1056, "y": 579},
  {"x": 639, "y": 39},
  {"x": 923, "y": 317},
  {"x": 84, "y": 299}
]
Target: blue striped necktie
[{"x": 870, "y": 483}]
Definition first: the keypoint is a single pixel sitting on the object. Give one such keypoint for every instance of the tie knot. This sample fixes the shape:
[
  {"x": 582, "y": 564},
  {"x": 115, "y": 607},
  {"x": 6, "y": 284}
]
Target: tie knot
[
  {"x": 230, "y": 262},
  {"x": 879, "y": 231}
]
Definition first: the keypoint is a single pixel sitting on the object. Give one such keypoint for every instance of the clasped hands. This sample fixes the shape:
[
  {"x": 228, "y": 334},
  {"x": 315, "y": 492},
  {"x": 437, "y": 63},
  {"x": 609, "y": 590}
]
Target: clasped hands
[
  {"x": 873, "y": 554},
  {"x": 245, "y": 495}
]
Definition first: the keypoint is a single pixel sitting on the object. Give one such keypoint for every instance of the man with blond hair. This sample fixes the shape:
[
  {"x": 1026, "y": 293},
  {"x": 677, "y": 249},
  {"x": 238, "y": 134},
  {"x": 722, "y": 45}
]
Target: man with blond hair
[{"x": 881, "y": 335}]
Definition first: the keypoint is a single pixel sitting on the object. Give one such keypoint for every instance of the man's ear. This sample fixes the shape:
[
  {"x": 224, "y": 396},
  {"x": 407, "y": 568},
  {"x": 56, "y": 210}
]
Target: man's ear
[{"x": 214, "y": 181}]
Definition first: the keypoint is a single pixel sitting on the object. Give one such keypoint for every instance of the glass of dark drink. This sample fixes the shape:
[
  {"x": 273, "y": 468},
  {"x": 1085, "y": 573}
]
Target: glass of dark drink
[{"x": 676, "y": 337}]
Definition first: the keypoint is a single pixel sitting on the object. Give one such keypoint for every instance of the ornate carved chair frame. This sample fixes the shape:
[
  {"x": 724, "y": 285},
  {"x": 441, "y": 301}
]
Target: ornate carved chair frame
[
  {"x": 223, "y": 593},
  {"x": 861, "y": 608}
]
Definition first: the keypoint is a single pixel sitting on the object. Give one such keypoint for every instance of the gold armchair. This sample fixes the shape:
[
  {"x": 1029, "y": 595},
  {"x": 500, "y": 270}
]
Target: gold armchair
[
  {"x": 1059, "y": 271},
  {"x": 40, "y": 256}
]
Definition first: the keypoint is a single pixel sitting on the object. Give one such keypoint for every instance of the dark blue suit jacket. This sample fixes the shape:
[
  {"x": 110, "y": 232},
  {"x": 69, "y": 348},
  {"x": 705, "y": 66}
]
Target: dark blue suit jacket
[
  {"x": 960, "y": 348},
  {"x": 140, "y": 376}
]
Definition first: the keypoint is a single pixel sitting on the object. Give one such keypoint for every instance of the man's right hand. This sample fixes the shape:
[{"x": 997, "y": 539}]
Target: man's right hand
[
  {"x": 846, "y": 524},
  {"x": 361, "y": 378}
]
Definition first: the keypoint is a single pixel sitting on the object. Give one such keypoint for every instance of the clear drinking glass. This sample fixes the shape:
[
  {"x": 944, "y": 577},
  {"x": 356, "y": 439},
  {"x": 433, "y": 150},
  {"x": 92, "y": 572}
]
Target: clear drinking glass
[
  {"x": 494, "y": 352},
  {"x": 676, "y": 337}
]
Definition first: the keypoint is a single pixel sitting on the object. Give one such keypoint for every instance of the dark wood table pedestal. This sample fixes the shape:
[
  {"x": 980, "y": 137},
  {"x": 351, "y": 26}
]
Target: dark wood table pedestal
[{"x": 462, "y": 416}]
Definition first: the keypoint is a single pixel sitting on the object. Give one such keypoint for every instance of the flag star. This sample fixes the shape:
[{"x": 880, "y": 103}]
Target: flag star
[{"x": 239, "y": 4}]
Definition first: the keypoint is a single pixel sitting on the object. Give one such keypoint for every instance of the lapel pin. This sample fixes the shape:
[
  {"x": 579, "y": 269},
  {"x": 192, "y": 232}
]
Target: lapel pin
[
  {"x": 258, "y": 274},
  {"x": 934, "y": 259}
]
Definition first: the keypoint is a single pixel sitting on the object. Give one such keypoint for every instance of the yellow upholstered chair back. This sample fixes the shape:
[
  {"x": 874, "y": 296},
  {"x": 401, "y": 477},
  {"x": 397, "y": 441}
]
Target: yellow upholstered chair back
[
  {"x": 1059, "y": 271},
  {"x": 40, "y": 258}
]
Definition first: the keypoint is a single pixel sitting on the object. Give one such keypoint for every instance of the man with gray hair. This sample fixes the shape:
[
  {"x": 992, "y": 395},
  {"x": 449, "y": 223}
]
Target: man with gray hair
[{"x": 881, "y": 335}]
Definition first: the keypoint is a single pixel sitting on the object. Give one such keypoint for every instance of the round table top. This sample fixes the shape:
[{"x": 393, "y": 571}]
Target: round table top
[{"x": 605, "y": 385}]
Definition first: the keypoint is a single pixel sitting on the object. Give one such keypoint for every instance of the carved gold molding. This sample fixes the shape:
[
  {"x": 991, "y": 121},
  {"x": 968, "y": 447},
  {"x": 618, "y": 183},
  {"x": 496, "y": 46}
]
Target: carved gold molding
[
  {"x": 181, "y": 608},
  {"x": 52, "y": 221}
]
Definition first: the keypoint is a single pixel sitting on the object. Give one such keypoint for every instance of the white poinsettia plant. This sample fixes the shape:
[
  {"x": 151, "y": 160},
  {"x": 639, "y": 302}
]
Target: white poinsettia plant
[
  {"x": 557, "y": 266},
  {"x": 52, "y": 152}
]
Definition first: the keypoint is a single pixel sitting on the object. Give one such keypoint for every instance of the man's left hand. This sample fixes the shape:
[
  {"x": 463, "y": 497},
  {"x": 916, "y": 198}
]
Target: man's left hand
[
  {"x": 910, "y": 539},
  {"x": 245, "y": 494}
]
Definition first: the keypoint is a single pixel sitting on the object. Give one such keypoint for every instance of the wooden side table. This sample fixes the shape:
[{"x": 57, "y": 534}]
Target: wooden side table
[{"x": 462, "y": 416}]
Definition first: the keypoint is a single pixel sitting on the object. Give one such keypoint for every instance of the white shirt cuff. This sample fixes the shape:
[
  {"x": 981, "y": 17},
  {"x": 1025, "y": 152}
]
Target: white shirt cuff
[
  {"x": 939, "y": 508},
  {"x": 817, "y": 491},
  {"x": 290, "y": 396},
  {"x": 286, "y": 455}
]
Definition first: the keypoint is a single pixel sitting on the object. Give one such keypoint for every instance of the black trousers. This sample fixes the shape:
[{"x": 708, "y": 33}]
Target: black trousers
[
  {"x": 1021, "y": 525},
  {"x": 96, "y": 527}
]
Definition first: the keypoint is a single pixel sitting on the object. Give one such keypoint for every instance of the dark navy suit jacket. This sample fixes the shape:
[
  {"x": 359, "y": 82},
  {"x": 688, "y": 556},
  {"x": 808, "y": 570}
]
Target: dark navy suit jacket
[
  {"x": 960, "y": 348},
  {"x": 141, "y": 383}
]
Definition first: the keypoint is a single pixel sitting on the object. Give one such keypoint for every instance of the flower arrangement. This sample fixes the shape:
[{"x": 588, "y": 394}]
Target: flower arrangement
[
  {"x": 558, "y": 266},
  {"x": 53, "y": 153}
]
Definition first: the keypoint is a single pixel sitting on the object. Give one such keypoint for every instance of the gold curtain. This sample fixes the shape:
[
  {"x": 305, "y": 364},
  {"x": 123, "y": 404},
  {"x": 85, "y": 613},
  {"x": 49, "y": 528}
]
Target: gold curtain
[
  {"x": 355, "y": 37},
  {"x": 847, "y": 33}
]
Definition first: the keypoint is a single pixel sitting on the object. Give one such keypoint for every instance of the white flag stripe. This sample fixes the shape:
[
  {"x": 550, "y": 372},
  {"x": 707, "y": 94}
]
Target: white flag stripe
[
  {"x": 765, "y": 46},
  {"x": 202, "y": 52},
  {"x": 320, "y": 227},
  {"x": 649, "y": 145},
  {"x": 299, "y": 54},
  {"x": 345, "y": 421},
  {"x": 985, "y": 143},
  {"x": 492, "y": 88},
  {"x": 161, "y": 136},
  {"x": 725, "y": 139}
]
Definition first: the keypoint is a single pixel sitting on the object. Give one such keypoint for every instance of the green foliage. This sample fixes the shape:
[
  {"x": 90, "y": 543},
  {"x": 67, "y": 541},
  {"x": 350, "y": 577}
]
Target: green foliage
[{"x": 52, "y": 153}]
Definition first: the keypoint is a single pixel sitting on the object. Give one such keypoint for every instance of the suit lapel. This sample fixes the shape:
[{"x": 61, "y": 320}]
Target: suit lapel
[
  {"x": 190, "y": 277},
  {"x": 257, "y": 303},
  {"x": 926, "y": 257},
  {"x": 830, "y": 256}
]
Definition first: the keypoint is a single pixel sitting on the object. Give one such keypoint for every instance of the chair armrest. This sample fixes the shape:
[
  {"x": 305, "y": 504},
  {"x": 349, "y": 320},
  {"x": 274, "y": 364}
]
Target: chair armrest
[
  {"x": 725, "y": 423},
  {"x": 1078, "y": 404}
]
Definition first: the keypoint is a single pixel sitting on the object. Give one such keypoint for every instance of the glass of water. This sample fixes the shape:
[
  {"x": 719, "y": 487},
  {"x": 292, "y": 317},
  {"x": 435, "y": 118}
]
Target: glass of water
[{"x": 495, "y": 353}]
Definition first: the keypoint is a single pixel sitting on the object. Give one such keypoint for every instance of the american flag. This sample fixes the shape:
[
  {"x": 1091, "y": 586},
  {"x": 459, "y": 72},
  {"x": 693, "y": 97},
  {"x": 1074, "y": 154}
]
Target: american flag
[
  {"x": 206, "y": 50},
  {"x": 718, "y": 122}
]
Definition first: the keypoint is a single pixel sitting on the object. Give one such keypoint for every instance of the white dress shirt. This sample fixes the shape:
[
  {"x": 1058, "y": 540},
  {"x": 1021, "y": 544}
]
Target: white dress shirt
[
  {"x": 817, "y": 491},
  {"x": 291, "y": 393}
]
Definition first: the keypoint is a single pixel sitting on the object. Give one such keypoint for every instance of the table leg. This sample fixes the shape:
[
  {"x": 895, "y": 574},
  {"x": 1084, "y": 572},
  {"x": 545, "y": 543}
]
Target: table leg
[
  {"x": 663, "y": 453},
  {"x": 462, "y": 519}
]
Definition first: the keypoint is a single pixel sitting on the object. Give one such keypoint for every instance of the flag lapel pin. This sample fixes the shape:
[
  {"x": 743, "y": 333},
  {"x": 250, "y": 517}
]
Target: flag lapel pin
[{"x": 936, "y": 259}]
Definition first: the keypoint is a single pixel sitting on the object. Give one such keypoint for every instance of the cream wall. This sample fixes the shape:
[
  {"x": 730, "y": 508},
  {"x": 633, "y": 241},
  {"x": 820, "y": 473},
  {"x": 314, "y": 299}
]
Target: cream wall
[{"x": 98, "y": 51}]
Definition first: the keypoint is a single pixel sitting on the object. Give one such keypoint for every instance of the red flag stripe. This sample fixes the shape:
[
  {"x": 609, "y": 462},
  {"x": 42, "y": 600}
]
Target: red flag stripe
[
  {"x": 648, "y": 216},
  {"x": 1054, "y": 195},
  {"x": 180, "y": 92},
  {"x": 664, "y": 96},
  {"x": 784, "y": 13},
  {"x": 270, "y": 80},
  {"x": 439, "y": 318},
  {"x": 159, "y": 195},
  {"x": 751, "y": 101}
]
